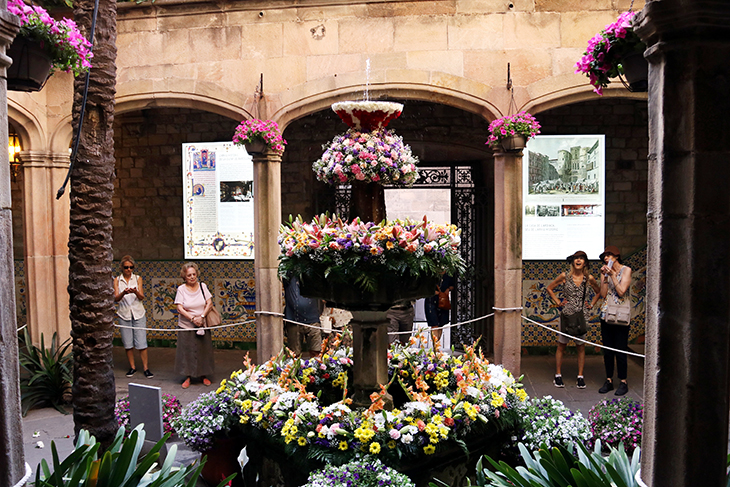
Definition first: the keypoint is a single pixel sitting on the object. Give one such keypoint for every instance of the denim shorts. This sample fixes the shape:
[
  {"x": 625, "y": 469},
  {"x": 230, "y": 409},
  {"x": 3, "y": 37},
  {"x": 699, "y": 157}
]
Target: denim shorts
[{"x": 135, "y": 337}]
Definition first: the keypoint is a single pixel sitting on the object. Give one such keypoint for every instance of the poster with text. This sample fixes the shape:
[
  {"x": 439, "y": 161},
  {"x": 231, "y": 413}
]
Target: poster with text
[
  {"x": 563, "y": 196},
  {"x": 218, "y": 197}
]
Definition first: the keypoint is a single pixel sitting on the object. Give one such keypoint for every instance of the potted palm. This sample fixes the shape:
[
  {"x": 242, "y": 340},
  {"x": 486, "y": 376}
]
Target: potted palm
[
  {"x": 614, "y": 52},
  {"x": 42, "y": 45},
  {"x": 511, "y": 133}
]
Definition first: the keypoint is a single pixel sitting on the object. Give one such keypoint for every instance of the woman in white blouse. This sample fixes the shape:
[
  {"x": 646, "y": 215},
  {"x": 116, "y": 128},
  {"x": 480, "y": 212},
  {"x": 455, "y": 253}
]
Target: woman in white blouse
[{"x": 128, "y": 294}]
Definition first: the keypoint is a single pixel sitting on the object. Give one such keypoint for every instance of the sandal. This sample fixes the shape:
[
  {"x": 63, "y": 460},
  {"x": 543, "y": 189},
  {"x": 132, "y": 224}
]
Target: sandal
[
  {"x": 186, "y": 384},
  {"x": 206, "y": 381}
]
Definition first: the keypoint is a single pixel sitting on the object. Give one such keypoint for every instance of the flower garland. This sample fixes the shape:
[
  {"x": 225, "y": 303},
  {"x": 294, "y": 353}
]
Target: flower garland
[
  {"x": 446, "y": 401},
  {"x": 67, "y": 48},
  {"x": 361, "y": 252},
  {"x": 602, "y": 58},
  {"x": 521, "y": 123},
  {"x": 264, "y": 130},
  {"x": 379, "y": 156}
]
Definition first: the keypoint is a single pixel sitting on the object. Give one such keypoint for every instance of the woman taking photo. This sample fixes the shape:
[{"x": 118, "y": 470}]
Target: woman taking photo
[
  {"x": 194, "y": 354},
  {"x": 128, "y": 293},
  {"x": 615, "y": 291},
  {"x": 574, "y": 284}
]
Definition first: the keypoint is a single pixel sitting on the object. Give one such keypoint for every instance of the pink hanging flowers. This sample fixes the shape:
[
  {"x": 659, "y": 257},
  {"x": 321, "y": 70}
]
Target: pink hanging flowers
[
  {"x": 61, "y": 39},
  {"x": 521, "y": 123},
  {"x": 264, "y": 130}
]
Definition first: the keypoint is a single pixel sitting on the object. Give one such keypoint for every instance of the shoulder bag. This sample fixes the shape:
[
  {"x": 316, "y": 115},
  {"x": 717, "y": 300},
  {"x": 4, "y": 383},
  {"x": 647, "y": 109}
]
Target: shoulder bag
[
  {"x": 575, "y": 324},
  {"x": 619, "y": 313},
  {"x": 214, "y": 317}
]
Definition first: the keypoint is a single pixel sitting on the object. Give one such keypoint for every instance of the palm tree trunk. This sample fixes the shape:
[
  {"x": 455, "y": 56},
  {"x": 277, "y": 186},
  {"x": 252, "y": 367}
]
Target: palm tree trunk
[{"x": 90, "y": 237}]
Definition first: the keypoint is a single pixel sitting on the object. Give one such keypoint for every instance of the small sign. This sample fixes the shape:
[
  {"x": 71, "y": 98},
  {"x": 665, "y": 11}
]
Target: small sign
[{"x": 145, "y": 406}]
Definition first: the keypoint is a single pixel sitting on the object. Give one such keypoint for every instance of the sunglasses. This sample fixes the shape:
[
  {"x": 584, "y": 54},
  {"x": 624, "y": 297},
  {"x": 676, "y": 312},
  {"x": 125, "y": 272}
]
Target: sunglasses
[{"x": 129, "y": 267}]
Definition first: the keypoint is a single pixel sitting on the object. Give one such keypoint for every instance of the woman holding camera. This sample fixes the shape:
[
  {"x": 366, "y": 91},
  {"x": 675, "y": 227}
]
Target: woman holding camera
[
  {"x": 616, "y": 294},
  {"x": 194, "y": 353}
]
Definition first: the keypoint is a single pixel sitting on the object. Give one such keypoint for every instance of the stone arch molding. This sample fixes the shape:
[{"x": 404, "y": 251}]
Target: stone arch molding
[{"x": 28, "y": 126}]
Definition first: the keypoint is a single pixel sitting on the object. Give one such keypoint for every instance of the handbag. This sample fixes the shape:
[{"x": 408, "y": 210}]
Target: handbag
[
  {"x": 618, "y": 313},
  {"x": 214, "y": 317},
  {"x": 575, "y": 324},
  {"x": 444, "y": 302}
]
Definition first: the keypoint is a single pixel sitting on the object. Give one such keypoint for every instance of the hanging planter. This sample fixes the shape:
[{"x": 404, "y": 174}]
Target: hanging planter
[
  {"x": 31, "y": 66},
  {"x": 258, "y": 135},
  {"x": 255, "y": 147},
  {"x": 612, "y": 52},
  {"x": 510, "y": 133},
  {"x": 636, "y": 71},
  {"x": 43, "y": 44}
]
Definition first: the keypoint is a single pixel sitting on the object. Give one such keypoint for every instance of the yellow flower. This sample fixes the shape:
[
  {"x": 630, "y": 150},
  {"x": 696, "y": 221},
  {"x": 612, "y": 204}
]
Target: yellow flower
[
  {"x": 497, "y": 400},
  {"x": 375, "y": 448},
  {"x": 391, "y": 444},
  {"x": 302, "y": 441},
  {"x": 343, "y": 445},
  {"x": 521, "y": 395},
  {"x": 429, "y": 449},
  {"x": 220, "y": 389},
  {"x": 244, "y": 419}
]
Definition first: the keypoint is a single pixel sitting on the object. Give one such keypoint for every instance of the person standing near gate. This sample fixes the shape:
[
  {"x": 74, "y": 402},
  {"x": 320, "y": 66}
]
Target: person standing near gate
[{"x": 574, "y": 284}]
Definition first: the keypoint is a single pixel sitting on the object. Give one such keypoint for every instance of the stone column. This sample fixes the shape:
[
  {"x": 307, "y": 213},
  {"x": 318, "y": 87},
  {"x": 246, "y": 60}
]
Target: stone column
[
  {"x": 46, "y": 244},
  {"x": 687, "y": 375},
  {"x": 370, "y": 357},
  {"x": 267, "y": 220},
  {"x": 12, "y": 459},
  {"x": 508, "y": 258}
]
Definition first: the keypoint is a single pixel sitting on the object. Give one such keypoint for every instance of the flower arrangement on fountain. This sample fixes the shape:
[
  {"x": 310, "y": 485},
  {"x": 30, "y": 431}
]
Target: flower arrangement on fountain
[
  {"x": 359, "y": 252},
  {"x": 602, "y": 59},
  {"x": 68, "y": 49},
  {"x": 266, "y": 131},
  {"x": 379, "y": 156},
  {"x": 303, "y": 405},
  {"x": 520, "y": 124}
]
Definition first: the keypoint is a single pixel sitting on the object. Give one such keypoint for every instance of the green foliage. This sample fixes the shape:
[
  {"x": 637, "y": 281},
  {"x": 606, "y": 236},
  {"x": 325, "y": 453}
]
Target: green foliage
[
  {"x": 50, "y": 372},
  {"x": 119, "y": 466},
  {"x": 558, "y": 467}
]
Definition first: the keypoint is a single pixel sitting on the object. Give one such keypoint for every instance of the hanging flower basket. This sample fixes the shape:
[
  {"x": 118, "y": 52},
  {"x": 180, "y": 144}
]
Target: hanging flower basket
[
  {"x": 44, "y": 41},
  {"x": 31, "y": 66},
  {"x": 256, "y": 135},
  {"x": 636, "y": 71},
  {"x": 511, "y": 133},
  {"x": 609, "y": 53}
]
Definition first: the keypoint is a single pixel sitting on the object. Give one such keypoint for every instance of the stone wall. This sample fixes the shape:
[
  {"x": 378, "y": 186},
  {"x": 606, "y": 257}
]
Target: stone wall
[{"x": 147, "y": 201}]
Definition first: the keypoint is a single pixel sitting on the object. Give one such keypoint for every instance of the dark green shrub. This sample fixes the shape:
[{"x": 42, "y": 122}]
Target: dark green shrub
[{"x": 49, "y": 372}]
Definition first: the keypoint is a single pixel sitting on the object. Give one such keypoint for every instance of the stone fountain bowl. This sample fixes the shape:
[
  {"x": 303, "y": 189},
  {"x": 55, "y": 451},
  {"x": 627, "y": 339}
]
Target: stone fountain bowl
[{"x": 367, "y": 116}]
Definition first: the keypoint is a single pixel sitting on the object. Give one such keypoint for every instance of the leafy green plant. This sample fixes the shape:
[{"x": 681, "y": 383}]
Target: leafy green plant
[
  {"x": 558, "y": 467},
  {"x": 50, "y": 372},
  {"x": 119, "y": 466}
]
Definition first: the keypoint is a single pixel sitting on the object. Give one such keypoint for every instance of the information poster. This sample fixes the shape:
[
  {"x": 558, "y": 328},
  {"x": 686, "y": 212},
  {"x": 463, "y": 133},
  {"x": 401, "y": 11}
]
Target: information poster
[
  {"x": 563, "y": 196},
  {"x": 218, "y": 198}
]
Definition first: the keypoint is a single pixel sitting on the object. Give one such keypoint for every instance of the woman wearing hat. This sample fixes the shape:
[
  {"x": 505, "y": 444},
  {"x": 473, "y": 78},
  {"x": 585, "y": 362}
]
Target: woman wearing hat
[
  {"x": 574, "y": 286},
  {"x": 615, "y": 288}
]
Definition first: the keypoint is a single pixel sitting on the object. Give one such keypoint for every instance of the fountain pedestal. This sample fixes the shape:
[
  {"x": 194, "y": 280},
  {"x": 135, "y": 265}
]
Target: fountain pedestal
[{"x": 370, "y": 357}]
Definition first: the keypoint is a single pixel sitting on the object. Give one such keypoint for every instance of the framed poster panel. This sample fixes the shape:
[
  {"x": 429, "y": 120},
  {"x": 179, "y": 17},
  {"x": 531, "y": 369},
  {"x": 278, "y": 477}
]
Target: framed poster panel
[
  {"x": 563, "y": 196},
  {"x": 218, "y": 196}
]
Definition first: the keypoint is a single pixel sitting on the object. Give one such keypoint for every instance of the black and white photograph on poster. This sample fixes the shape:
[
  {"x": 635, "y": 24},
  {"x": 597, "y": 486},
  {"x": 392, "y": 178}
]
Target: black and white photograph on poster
[
  {"x": 564, "y": 190},
  {"x": 236, "y": 191}
]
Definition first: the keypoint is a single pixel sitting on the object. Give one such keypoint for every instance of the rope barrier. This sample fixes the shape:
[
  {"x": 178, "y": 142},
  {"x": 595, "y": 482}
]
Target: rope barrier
[
  {"x": 28, "y": 473},
  {"x": 21, "y": 328},
  {"x": 451, "y": 325},
  {"x": 580, "y": 339},
  {"x": 186, "y": 329}
]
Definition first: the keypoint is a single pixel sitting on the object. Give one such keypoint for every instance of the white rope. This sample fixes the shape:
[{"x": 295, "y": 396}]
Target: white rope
[
  {"x": 24, "y": 480},
  {"x": 186, "y": 329},
  {"x": 269, "y": 313},
  {"x": 580, "y": 339},
  {"x": 452, "y": 325},
  {"x": 19, "y": 329},
  {"x": 507, "y": 309}
]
